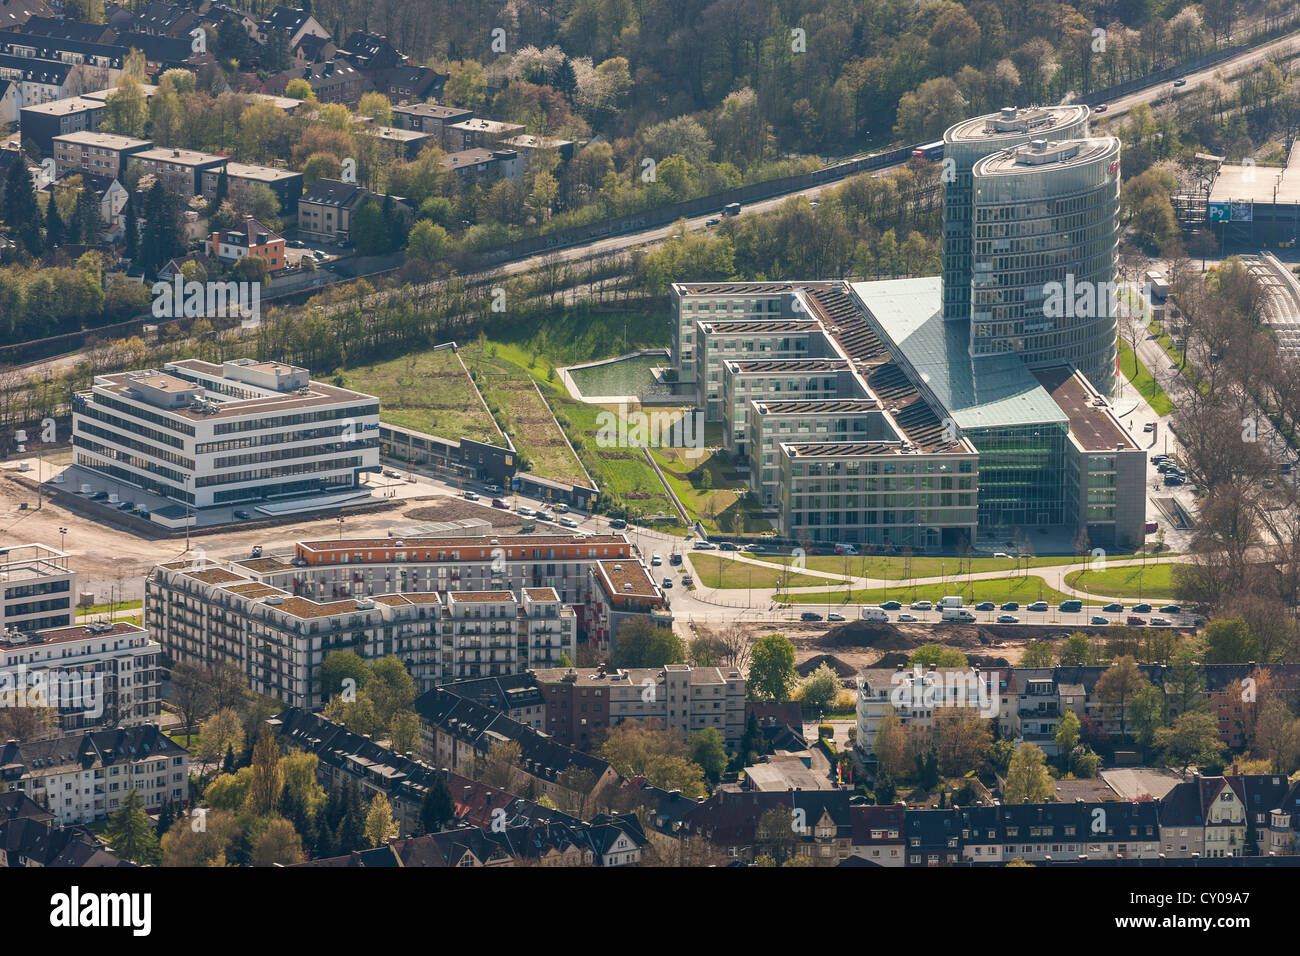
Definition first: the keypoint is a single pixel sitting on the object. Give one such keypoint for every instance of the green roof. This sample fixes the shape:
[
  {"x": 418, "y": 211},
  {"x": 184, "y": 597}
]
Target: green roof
[{"x": 995, "y": 391}]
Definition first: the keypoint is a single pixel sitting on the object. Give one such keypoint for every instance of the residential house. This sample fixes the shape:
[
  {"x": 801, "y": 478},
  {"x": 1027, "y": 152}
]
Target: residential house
[
  {"x": 312, "y": 49},
  {"x": 429, "y": 118},
  {"x": 878, "y": 834},
  {"x": 325, "y": 210},
  {"x": 104, "y": 154},
  {"x": 29, "y": 836},
  {"x": 39, "y": 81},
  {"x": 408, "y": 84},
  {"x": 156, "y": 19},
  {"x": 1182, "y": 822},
  {"x": 403, "y": 144},
  {"x": 933, "y": 838},
  {"x": 180, "y": 171},
  {"x": 241, "y": 178},
  {"x": 15, "y": 13},
  {"x": 10, "y": 103},
  {"x": 478, "y": 133},
  {"x": 62, "y": 29},
  {"x": 41, "y": 122},
  {"x": 370, "y": 52},
  {"x": 250, "y": 238},
  {"x": 292, "y": 24},
  {"x": 334, "y": 81},
  {"x": 730, "y": 819},
  {"x": 112, "y": 198}
]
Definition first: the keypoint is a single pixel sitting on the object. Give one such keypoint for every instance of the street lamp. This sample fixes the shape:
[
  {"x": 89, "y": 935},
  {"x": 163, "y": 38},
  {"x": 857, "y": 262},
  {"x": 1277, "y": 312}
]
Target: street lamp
[{"x": 63, "y": 534}]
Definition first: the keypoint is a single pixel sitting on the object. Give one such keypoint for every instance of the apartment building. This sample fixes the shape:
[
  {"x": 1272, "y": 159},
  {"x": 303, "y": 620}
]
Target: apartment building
[
  {"x": 241, "y": 178},
  {"x": 325, "y": 210},
  {"x": 41, "y": 122},
  {"x": 37, "y": 588},
  {"x": 729, "y": 819},
  {"x": 479, "y": 133},
  {"x": 203, "y": 434},
  {"x": 40, "y": 81},
  {"x": 482, "y": 165},
  {"x": 334, "y": 81},
  {"x": 180, "y": 171},
  {"x": 620, "y": 591},
  {"x": 494, "y": 633},
  {"x": 402, "y": 144},
  {"x": 916, "y": 695},
  {"x": 84, "y": 779},
  {"x": 1035, "y": 833},
  {"x": 95, "y": 675},
  {"x": 431, "y": 118},
  {"x": 105, "y": 154},
  {"x": 582, "y": 703}
]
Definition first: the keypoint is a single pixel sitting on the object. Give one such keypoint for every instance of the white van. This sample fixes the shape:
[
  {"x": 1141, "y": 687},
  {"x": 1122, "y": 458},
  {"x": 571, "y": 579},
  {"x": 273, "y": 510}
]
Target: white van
[
  {"x": 957, "y": 615},
  {"x": 951, "y": 601},
  {"x": 875, "y": 615},
  {"x": 846, "y": 549},
  {"x": 526, "y": 512}
]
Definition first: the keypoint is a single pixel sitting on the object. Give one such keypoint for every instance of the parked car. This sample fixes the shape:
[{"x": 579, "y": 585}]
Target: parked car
[
  {"x": 545, "y": 516},
  {"x": 128, "y": 505},
  {"x": 668, "y": 582},
  {"x": 907, "y": 619},
  {"x": 1071, "y": 607},
  {"x": 1149, "y": 427},
  {"x": 712, "y": 221},
  {"x": 687, "y": 580},
  {"x": 1143, "y": 608},
  {"x": 1011, "y": 606},
  {"x": 1113, "y": 608},
  {"x": 985, "y": 606},
  {"x": 296, "y": 244},
  {"x": 560, "y": 508},
  {"x": 99, "y": 496},
  {"x": 242, "y": 515},
  {"x": 1100, "y": 108},
  {"x": 891, "y": 606},
  {"x": 1161, "y": 621},
  {"x": 1008, "y": 619},
  {"x": 923, "y": 606},
  {"x": 493, "y": 489},
  {"x": 568, "y": 522},
  {"x": 674, "y": 558},
  {"x": 1096, "y": 619},
  {"x": 834, "y": 617},
  {"x": 527, "y": 512},
  {"x": 656, "y": 561},
  {"x": 392, "y": 473},
  {"x": 810, "y": 616},
  {"x": 1171, "y": 609},
  {"x": 1181, "y": 81},
  {"x": 471, "y": 496},
  {"x": 1134, "y": 621},
  {"x": 617, "y": 524},
  {"x": 728, "y": 546},
  {"x": 1037, "y": 606},
  {"x": 705, "y": 546}
]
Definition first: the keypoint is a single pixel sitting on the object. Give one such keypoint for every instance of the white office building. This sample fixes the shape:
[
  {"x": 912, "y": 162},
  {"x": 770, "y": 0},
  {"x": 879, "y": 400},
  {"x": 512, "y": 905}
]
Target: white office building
[
  {"x": 37, "y": 589},
  {"x": 244, "y": 431}
]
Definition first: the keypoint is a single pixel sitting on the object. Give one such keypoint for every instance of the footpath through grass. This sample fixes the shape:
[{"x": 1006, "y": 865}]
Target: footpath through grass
[
  {"x": 1143, "y": 381},
  {"x": 894, "y": 568},
  {"x": 715, "y": 571}
]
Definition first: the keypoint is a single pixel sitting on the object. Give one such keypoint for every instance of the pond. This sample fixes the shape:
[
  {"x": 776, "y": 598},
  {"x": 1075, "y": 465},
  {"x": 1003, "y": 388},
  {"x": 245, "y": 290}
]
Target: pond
[{"x": 629, "y": 376}]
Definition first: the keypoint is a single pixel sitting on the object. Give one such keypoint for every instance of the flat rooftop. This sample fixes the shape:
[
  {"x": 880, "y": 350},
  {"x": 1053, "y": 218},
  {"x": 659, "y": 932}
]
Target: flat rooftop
[
  {"x": 751, "y": 326},
  {"x": 527, "y": 541},
  {"x": 619, "y": 574},
  {"x": 78, "y": 632},
  {"x": 1092, "y": 425},
  {"x": 479, "y": 597},
  {"x": 88, "y": 137},
  {"x": 779, "y": 366},
  {"x": 72, "y": 104},
  {"x": 840, "y": 449},
  {"x": 178, "y": 157},
  {"x": 1014, "y": 122},
  {"x": 263, "y": 174},
  {"x": 397, "y": 135},
  {"x": 1259, "y": 184},
  {"x": 435, "y": 110},
  {"x": 746, "y": 288},
  {"x": 1046, "y": 155}
]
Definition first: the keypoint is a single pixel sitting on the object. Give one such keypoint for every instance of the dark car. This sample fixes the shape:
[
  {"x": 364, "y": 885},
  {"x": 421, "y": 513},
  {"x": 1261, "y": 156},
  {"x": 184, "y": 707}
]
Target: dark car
[
  {"x": 1113, "y": 608},
  {"x": 242, "y": 515},
  {"x": 985, "y": 606},
  {"x": 1008, "y": 619},
  {"x": 727, "y": 546},
  {"x": 891, "y": 606},
  {"x": 1180, "y": 82},
  {"x": 1172, "y": 481},
  {"x": 668, "y": 582},
  {"x": 674, "y": 558},
  {"x": 1097, "y": 619},
  {"x": 1142, "y": 608},
  {"x": 500, "y": 503},
  {"x": 1171, "y": 609},
  {"x": 1011, "y": 606},
  {"x": 126, "y": 506},
  {"x": 810, "y": 616},
  {"x": 618, "y": 524},
  {"x": 1135, "y": 621},
  {"x": 99, "y": 496}
]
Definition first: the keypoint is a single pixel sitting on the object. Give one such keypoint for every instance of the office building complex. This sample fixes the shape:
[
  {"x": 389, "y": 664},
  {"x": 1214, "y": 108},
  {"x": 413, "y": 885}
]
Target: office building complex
[
  {"x": 1046, "y": 229},
  {"x": 37, "y": 589},
  {"x": 964, "y": 145},
  {"x": 887, "y": 433},
  {"x": 244, "y": 431}
]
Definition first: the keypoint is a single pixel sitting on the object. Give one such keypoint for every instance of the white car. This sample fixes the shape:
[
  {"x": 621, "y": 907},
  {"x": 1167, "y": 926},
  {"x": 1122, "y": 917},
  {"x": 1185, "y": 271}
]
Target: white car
[
  {"x": 526, "y": 512},
  {"x": 656, "y": 561},
  {"x": 561, "y": 509},
  {"x": 568, "y": 522},
  {"x": 907, "y": 619},
  {"x": 471, "y": 496},
  {"x": 923, "y": 606}
]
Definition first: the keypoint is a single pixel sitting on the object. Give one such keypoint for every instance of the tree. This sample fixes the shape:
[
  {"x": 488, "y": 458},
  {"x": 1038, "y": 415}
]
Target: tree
[
  {"x": 230, "y": 790},
  {"x": 130, "y": 833},
  {"x": 380, "y": 826},
  {"x": 341, "y": 672},
  {"x": 190, "y": 693},
  {"x": 1027, "y": 778},
  {"x": 771, "y": 668},
  {"x": 1117, "y": 686},
  {"x": 391, "y": 687},
  {"x": 499, "y": 767},
  {"x": 278, "y": 843},
  {"x": 937, "y": 655},
  {"x": 927, "y": 769},
  {"x": 820, "y": 689},
  {"x": 639, "y": 642},
  {"x": 709, "y": 750},
  {"x": 218, "y": 735},
  {"x": 377, "y": 106},
  {"x": 298, "y": 771},
  {"x": 267, "y": 780},
  {"x": 890, "y": 745},
  {"x": 1037, "y": 654},
  {"x": 960, "y": 738},
  {"x": 1193, "y": 738},
  {"x": 1148, "y": 712},
  {"x": 437, "y": 809},
  {"x": 1077, "y": 650},
  {"x": 298, "y": 89},
  {"x": 1229, "y": 641},
  {"x": 54, "y": 229},
  {"x": 21, "y": 214},
  {"x": 163, "y": 234},
  {"x": 404, "y": 731},
  {"x": 87, "y": 222},
  {"x": 427, "y": 244},
  {"x": 776, "y": 834},
  {"x": 1067, "y": 733}
]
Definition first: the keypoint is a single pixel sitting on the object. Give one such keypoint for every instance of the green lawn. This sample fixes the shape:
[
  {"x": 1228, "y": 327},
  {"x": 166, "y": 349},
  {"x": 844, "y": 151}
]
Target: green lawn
[
  {"x": 894, "y": 568},
  {"x": 1023, "y": 589},
  {"x": 1143, "y": 381},
  {"x": 1126, "y": 582},
  {"x": 430, "y": 392},
  {"x": 722, "y": 501},
  {"x": 523, "y": 414},
  {"x": 109, "y": 608},
  {"x": 715, "y": 571}
]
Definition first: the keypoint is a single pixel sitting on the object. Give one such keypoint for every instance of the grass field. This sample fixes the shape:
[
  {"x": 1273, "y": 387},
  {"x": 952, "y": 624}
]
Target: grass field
[
  {"x": 894, "y": 568},
  {"x": 108, "y": 608},
  {"x": 726, "y": 505},
  {"x": 509, "y": 391},
  {"x": 1143, "y": 381},
  {"x": 1126, "y": 582},
  {"x": 428, "y": 391},
  {"x": 1022, "y": 589},
  {"x": 715, "y": 571}
]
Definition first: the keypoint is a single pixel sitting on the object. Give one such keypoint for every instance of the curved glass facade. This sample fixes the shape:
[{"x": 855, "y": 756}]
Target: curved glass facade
[{"x": 1045, "y": 226}]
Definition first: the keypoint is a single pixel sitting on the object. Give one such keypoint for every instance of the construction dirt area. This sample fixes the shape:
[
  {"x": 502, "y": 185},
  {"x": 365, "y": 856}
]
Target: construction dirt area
[{"x": 112, "y": 553}]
